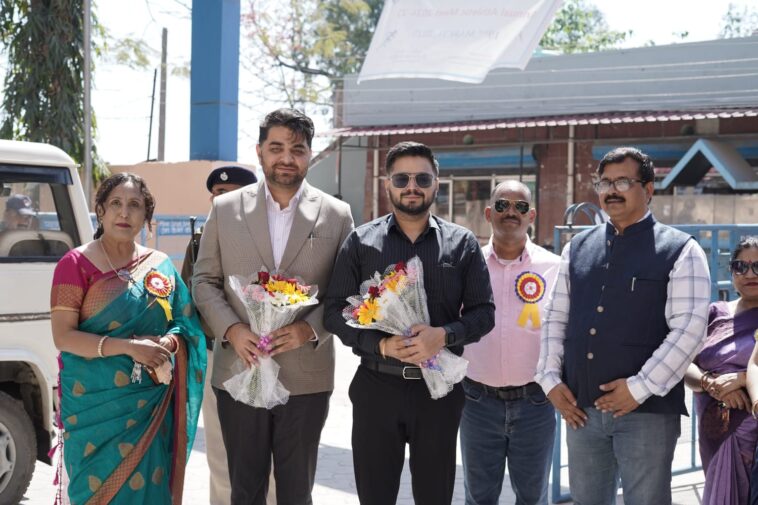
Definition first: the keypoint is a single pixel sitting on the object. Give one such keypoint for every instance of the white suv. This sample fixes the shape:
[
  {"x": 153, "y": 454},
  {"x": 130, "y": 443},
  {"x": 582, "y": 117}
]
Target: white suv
[{"x": 44, "y": 214}]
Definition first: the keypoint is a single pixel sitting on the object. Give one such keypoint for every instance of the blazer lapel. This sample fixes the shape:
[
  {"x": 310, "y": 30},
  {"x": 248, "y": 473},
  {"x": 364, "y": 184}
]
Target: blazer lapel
[
  {"x": 302, "y": 225},
  {"x": 256, "y": 218}
]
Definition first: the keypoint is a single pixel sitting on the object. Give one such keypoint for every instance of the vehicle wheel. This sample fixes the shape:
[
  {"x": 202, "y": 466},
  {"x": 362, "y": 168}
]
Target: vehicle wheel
[{"x": 18, "y": 450}]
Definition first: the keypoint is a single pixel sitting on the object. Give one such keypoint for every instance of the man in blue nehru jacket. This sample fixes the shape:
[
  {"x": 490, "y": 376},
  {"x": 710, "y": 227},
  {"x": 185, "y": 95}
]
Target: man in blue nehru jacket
[{"x": 626, "y": 318}]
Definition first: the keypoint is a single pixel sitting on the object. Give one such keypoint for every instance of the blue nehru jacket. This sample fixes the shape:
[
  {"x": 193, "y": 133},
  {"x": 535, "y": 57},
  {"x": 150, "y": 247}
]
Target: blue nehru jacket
[{"x": 617, "y": 316}]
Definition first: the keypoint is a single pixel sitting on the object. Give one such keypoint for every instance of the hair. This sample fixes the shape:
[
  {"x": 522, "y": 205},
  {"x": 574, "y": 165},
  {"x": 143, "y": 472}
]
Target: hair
[
  {"x": 646, "y": 170},
  {"x": 749, "y": 242},
  {"x": 294, "y": 120},
  {"x": 111, "y": 183},
  {"x": 408, "y": 148},
  {"x": 517, "y": 186}
]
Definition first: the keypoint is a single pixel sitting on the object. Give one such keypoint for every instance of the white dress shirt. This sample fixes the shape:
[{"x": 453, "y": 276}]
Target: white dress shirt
[{"x": 280, "y": 223}]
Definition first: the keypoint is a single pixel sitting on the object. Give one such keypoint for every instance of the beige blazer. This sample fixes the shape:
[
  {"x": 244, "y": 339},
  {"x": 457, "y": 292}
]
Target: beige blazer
[{"x": 236, "y": 242}]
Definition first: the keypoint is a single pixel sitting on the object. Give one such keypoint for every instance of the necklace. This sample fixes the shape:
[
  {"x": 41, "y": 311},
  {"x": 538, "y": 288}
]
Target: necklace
[{"x": 123, "y": 274}]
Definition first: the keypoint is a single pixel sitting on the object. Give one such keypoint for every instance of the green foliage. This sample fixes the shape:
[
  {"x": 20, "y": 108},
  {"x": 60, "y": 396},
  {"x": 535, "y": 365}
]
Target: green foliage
[
  {"x": 579, "y": 27},
  {"x": 739, "y": 22},
  {"x": 302, "y": 48},
  {"x": 43, "y": 98},
  {"x": 129, "y": 52}
]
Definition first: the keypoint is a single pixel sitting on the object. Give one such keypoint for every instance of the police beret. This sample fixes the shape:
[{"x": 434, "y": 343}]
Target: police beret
[{"x": 230, "y": 175}]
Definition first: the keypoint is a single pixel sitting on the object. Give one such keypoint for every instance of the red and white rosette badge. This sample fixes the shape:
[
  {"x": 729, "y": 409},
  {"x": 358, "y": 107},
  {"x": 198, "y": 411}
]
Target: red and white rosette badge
[
  {"x": 530, "y": 288},
  {"x": 159, "y": 286}
]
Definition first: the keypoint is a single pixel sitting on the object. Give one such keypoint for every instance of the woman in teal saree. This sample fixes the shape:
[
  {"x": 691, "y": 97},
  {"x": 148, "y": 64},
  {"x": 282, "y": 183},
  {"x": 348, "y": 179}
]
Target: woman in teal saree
[{"x": 132, "y": 359}]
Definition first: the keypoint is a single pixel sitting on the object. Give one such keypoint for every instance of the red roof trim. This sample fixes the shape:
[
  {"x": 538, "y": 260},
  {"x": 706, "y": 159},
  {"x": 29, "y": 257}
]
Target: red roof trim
[{"x": 579, "y": 120}]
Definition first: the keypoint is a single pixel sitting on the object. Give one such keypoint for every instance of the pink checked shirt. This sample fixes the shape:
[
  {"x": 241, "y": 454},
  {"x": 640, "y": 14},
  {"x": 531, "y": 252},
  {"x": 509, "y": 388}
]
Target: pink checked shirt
[{"x": 507, "y": 356}]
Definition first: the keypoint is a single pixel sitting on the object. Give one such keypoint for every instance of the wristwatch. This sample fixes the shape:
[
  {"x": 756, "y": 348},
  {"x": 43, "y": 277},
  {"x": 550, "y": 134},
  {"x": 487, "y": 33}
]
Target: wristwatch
[{"x": 449, "y": 336}]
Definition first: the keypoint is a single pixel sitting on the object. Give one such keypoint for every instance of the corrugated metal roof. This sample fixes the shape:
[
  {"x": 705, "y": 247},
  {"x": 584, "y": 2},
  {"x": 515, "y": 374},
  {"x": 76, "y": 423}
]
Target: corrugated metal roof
[
  {"x": 715, "y": 74},
  {"x": 538, "y": 122}
]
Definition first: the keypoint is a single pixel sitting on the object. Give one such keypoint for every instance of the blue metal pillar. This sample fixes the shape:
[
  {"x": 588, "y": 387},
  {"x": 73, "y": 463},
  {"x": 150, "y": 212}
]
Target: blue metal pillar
[{"x": 215, "y": 79}]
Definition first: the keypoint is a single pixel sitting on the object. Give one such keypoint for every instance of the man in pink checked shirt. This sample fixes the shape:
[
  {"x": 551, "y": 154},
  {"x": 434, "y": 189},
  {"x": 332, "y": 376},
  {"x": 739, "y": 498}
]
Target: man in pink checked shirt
[{"x": 506, "y": 417}]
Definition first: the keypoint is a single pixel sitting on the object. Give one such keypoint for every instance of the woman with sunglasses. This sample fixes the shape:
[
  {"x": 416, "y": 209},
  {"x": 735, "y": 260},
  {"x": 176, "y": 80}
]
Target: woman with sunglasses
[{"x": 727, "y": 432}]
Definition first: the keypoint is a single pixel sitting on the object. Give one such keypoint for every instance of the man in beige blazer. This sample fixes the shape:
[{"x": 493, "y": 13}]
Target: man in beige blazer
[{"x": 281, "y": 224}]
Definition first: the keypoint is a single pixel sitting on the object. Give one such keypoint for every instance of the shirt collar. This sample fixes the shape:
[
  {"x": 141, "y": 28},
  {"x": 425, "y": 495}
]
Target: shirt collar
[
  {"x": 526, "y": 253},
  {"x": 612, "y": 230},
  {"x": 431, "y": 224},
  {"x": 293, "y": 201}
]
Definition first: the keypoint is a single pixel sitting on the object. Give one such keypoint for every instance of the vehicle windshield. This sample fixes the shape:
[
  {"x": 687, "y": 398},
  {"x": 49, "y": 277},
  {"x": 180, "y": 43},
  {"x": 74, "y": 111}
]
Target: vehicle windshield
[{"x": 37, "y": 217}]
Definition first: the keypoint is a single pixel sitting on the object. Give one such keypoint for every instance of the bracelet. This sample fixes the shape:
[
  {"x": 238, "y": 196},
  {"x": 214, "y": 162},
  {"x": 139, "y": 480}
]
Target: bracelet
[
  {"x": 752, "y": 410},
  {"x": 703, "y": 378},
  {"x": 381, "y": 348},
  {"x": 100, "y": 346},
  {"x": 173, "y": 341}
]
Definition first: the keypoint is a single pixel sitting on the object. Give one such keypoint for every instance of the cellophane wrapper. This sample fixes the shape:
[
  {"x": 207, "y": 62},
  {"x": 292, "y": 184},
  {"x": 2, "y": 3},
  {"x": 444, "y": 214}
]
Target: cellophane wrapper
[
  {"x": 259, "y": 385},
  {"x": 402, "y": 304}
]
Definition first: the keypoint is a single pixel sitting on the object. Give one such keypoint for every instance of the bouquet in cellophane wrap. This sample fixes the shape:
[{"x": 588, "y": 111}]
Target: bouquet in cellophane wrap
[
  {"x": 272, "y": 302},
  {"x": 394, "y": 302}
]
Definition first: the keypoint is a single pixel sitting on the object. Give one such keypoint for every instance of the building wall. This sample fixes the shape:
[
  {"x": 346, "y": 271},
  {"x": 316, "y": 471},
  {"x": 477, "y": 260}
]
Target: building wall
[
  {"x": 178, "y": 189},
  {"x": 323, "y": 175},
  {"x": 549, "y": 146}
]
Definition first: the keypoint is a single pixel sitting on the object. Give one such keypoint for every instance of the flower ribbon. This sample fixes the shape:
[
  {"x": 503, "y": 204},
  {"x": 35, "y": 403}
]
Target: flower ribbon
[
  {"x": 160, "y": 287},
  {"x": 530, "y": 288}
]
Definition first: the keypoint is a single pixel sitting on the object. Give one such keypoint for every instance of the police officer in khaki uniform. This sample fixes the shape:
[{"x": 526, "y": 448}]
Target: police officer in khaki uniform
[{"x": 221, "y": 180}]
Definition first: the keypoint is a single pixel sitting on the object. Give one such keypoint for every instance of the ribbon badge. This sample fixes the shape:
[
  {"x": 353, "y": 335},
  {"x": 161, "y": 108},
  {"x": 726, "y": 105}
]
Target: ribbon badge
[
  {"x": 530, "y": 288},
  {"x": 160, "y": 287}
]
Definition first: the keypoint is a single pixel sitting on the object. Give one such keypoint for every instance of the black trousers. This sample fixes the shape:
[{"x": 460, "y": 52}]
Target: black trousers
[
  {"x": 390, "y": 411},
  {"x": 290, "y": 432}
]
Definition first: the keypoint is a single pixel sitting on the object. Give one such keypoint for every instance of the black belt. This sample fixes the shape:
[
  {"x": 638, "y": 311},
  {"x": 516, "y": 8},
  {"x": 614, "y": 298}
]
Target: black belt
[
  {"x": 406, "y": 372},
  {"x": 507, "y": 393}
]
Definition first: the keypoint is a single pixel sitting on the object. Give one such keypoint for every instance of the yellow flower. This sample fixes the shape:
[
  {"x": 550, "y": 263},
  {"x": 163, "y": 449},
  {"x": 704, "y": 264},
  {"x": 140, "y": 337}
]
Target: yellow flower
[
  {"x": 368, "y": 312},
  {"x": 298, "y": 297},
  {"x": 284, "y": 287},
  {"x": 392, "y": 280}
]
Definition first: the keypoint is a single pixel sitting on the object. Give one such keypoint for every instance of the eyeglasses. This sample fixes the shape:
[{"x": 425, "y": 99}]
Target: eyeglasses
[
  {"x": 621, "y": 184},
  {"x": 520, "y": 205},
  {"x": 740, "y": 267},
  {"x": 422, "y": 180}
]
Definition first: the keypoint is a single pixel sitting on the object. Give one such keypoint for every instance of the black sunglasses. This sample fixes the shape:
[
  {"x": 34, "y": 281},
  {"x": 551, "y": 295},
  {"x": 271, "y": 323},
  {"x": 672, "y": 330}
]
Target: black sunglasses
[
  {"x": 740, "y": 267},
  {"x": 520, "y": 205},
  {"x": 422, "y": 180}
]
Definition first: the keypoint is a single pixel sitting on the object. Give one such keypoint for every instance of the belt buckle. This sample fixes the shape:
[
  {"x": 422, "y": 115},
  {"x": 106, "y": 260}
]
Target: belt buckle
[{"x": 410, "y": 368}]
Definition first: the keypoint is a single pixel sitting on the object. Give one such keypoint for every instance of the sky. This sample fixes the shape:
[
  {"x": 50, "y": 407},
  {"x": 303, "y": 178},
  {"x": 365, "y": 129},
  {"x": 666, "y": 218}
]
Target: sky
[{"x": 121, "y": 96}]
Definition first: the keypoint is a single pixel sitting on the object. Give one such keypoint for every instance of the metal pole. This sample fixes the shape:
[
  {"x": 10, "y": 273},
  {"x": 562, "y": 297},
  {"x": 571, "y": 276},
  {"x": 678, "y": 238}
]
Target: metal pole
[
  {"x": 162, "y": 105},
  {"x": 87, "y": 101},
  {"x": 152, "y": 107},
  {"x": 339, "y": 169}
]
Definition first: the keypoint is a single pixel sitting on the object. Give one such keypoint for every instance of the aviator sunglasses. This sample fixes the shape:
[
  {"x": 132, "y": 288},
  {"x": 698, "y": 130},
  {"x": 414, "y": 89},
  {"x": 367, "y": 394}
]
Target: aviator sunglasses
[
  {"x": 740, "y": 267},
  {"x": 422, "y": 180},
  {"x": 520, "y": 205}
]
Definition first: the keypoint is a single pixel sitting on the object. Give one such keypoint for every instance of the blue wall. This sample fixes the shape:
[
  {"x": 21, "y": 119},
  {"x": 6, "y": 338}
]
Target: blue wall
[{"x": 214, "y": 80}]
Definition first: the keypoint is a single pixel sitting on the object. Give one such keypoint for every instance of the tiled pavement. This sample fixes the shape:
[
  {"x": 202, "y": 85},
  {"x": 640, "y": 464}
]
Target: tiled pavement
[{"x": 335, "y": 484}]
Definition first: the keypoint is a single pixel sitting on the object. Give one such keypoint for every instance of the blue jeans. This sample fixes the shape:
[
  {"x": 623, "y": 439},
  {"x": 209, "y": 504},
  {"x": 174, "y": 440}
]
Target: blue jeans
[
  {"x": 638, "y": 448},
  {"x": 494, "y": 431}
]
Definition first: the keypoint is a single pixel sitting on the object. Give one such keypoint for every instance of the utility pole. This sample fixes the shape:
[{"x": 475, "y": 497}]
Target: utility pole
[
  {"x": 87, "y": 101},
  {"x": 162, "y": 106},
  {"x": 152, "y": 108}
]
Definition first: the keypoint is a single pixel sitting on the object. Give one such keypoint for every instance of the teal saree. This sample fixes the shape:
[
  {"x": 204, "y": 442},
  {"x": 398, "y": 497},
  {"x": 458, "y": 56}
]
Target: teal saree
[{"x": 127, "y": 442}]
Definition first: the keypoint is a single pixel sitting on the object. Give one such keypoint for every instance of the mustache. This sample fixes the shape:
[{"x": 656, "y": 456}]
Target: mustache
[
  {"x": 414, "y": 192},
  {"x": 614, "y": 198},
  {"x": 510, "y": 218}
]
